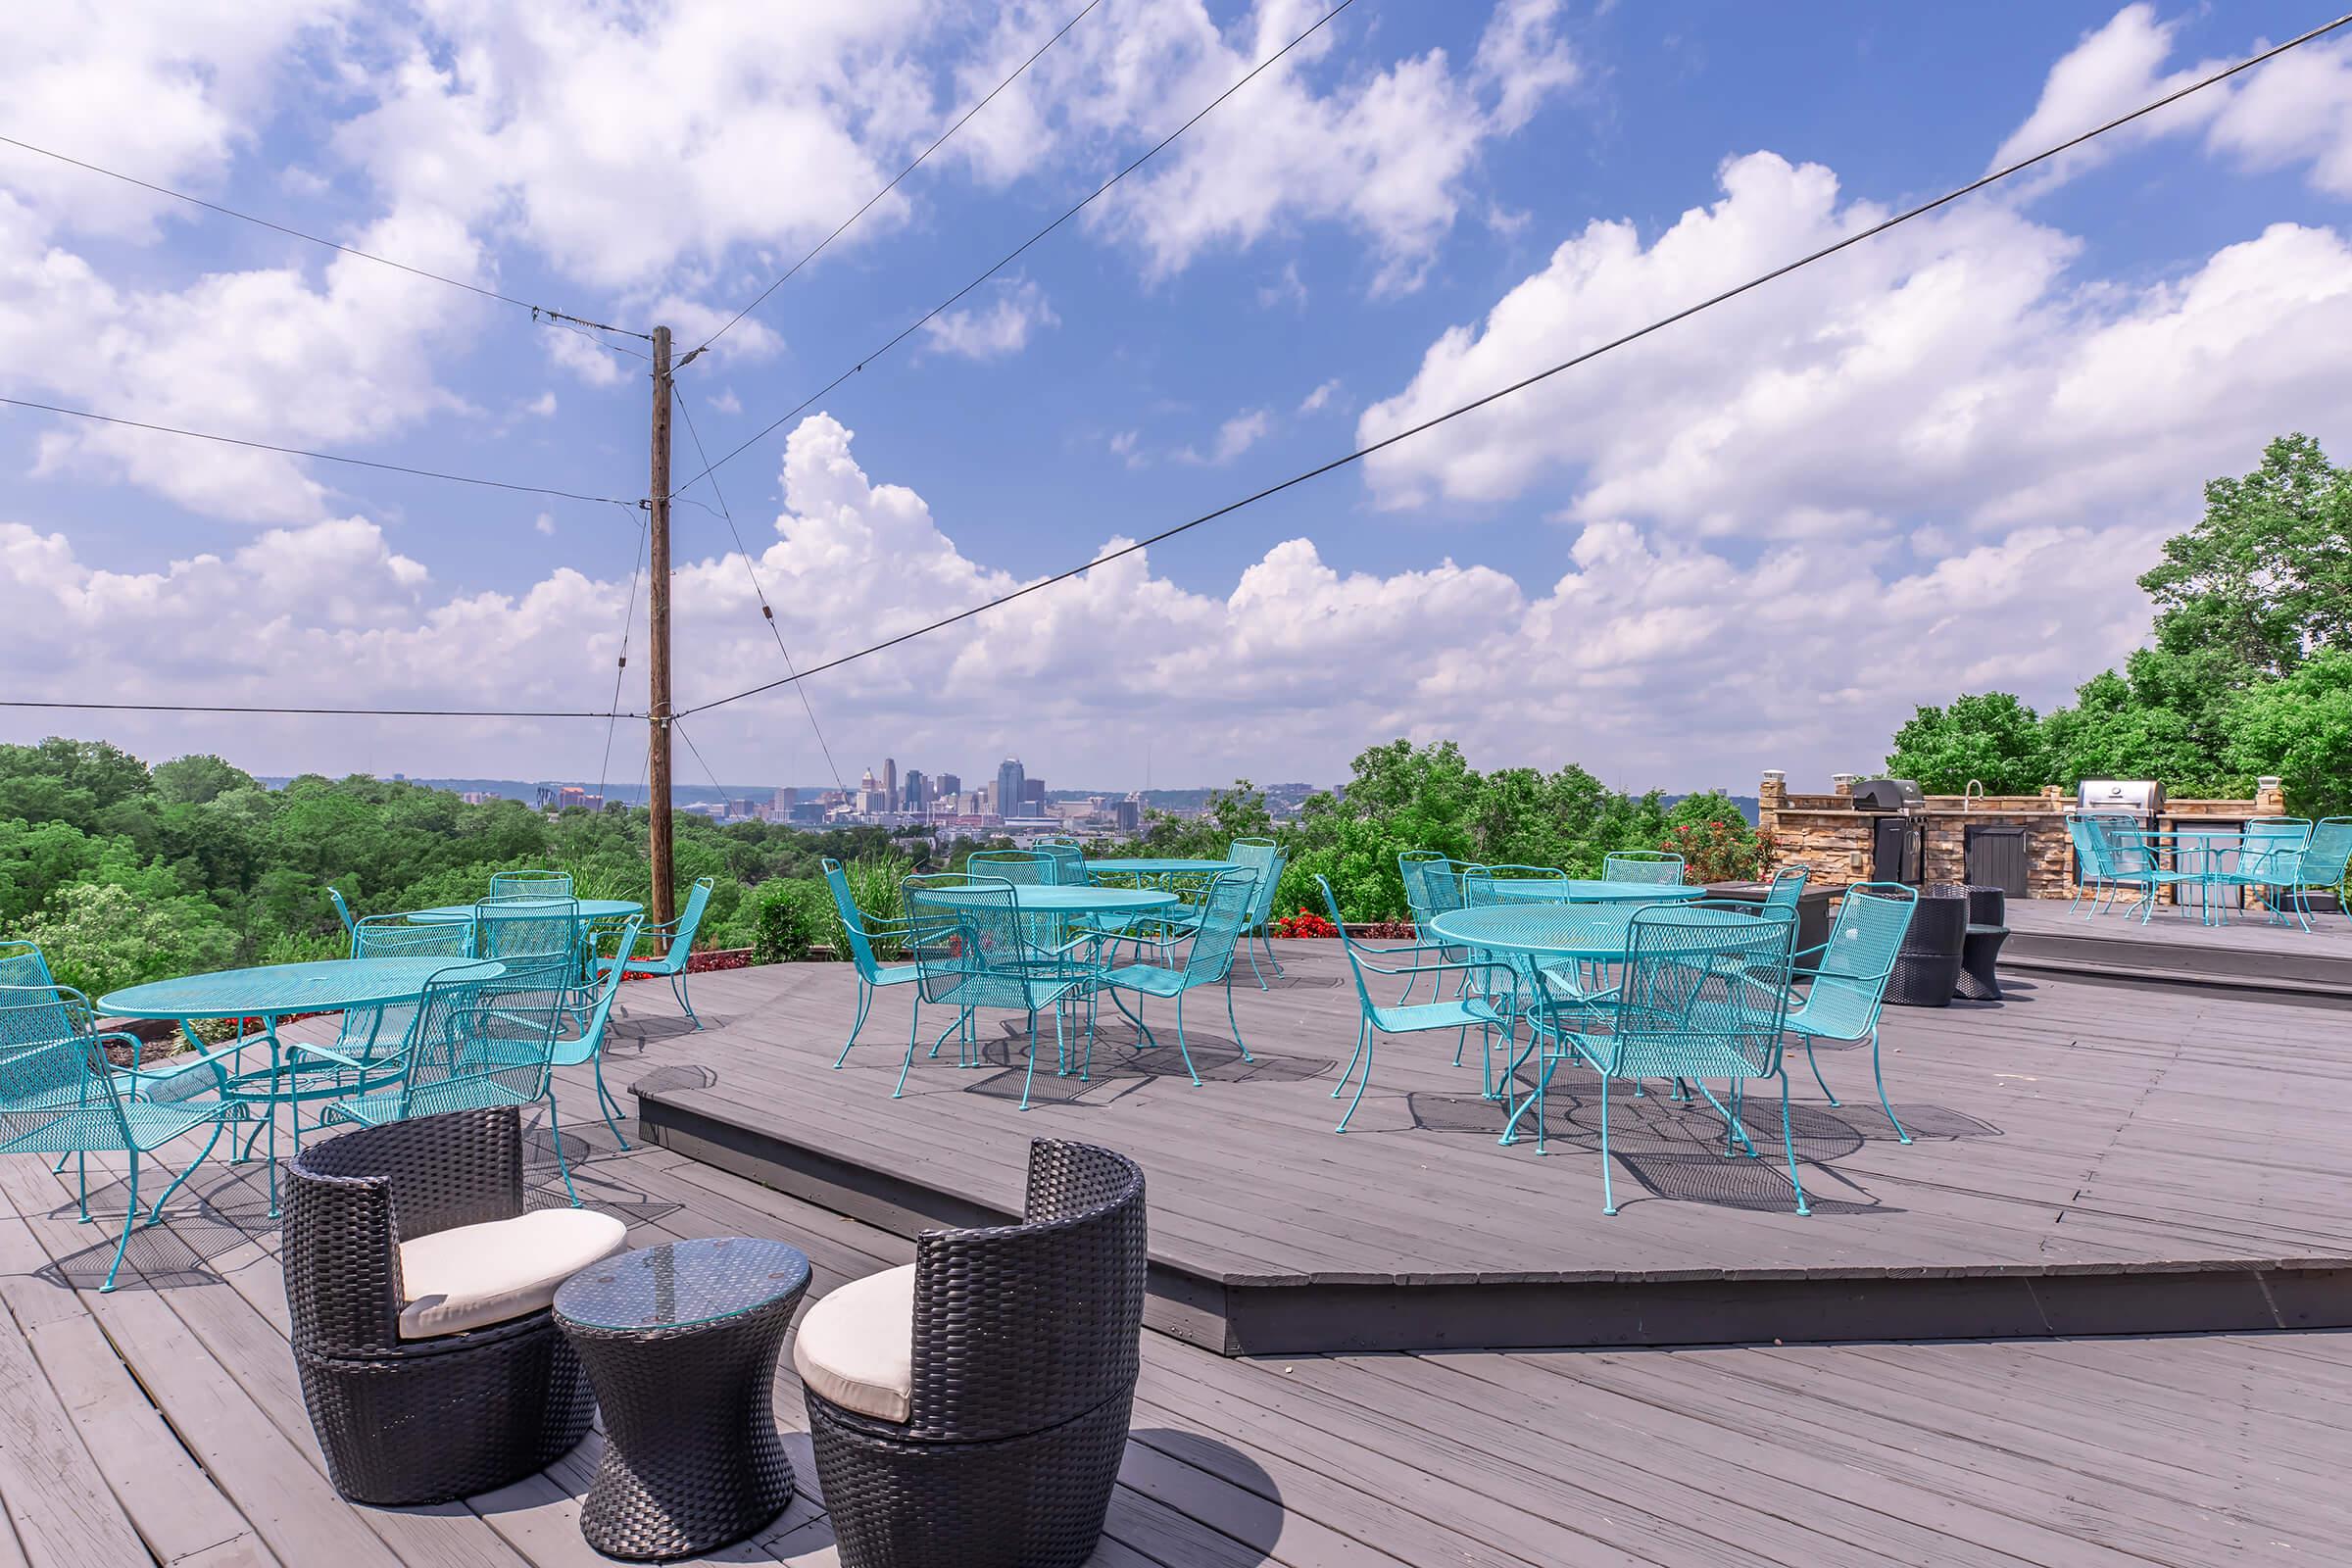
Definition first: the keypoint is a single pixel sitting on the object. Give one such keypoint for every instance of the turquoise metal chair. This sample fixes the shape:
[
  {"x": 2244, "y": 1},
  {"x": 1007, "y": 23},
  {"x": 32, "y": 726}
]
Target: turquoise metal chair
[
  {"x": 1207, "y": 960},
  {"x": 526, "y": 928},
  {"x": 1642, "y": 865},
  {"x": 972, "y": 950},
  {"x": 2270, "y": 862},
  {"x": 2326, "y": 860},
  {"x": 1461, "y": 1013},
  {"x": 1485, "y": 886},
  {"x": 861, "y": 931},
  {"x": 1433, "y": 886},
  {"x": 1021, "y": 868},
  {"x": 586, "y": 1047},
  {"x": 1850, "y": 973},
  {"x": 506, "y": 885},
  {"x": 342, "y": 910},
  {"x": 481, "y": 1039},
  {"x": 1703, "y": 992},
  {"x": 1787, "y": 886},
  {"x": 1263, "y": 860},
  {"x": 2090, "y": 868},
  {"x": 1069, "y": 860},
  {"x": 60, "y": 1095},
  {"x": 2129, "y": 857},
  {"x": 672, "y": 962}
]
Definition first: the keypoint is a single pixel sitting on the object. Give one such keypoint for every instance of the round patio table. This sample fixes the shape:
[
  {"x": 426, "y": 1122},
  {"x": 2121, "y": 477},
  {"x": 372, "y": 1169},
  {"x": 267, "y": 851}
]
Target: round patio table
[
  {"x": 1161, "y": 870},
  {"x": 1045, "y": 897},
  {"x": 590, "y": 910},
  {"x": 1544, "y": 890},
  {"x": 277, "y": 991},
  {"x": 682, "y": 1341}
]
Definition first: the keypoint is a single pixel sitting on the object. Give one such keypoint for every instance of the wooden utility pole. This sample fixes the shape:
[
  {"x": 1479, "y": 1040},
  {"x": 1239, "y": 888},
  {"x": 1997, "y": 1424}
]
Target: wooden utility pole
[{"x": 658, "y": 608}]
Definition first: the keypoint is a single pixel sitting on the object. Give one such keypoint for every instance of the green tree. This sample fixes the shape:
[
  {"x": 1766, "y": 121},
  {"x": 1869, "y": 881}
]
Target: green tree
[
  {"x": 100, "y": 936},
  {"x": 197, "y": 780},
  {"x": 36, "y": 859},
  {"x": 1987, "y": 736},
  {"x": 2300, "y": 730},
  {"x": 2266, "y": 576}
]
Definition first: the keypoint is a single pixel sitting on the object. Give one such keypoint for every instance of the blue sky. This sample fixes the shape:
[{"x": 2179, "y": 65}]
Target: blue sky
[{"x": 1936, "y": 462}]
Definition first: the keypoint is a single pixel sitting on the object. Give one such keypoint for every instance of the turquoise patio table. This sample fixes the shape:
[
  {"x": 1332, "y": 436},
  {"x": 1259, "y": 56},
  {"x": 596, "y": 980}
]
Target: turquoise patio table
[
  {"x": 277, "y": 991},
  {"x": 1546, "y": 890},
  {"x": 590, "y": 910},
  {"x": 1161, "y": 869},
  {"x": 1047, "y": 898}
]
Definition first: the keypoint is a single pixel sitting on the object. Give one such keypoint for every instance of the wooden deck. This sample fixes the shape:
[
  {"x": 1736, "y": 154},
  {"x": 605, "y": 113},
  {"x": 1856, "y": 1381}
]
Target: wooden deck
[
  {"x": 2087, "y": 1160},
  {"x": 162, "y": 1423},
  {"x": 2246, "y": 958}
]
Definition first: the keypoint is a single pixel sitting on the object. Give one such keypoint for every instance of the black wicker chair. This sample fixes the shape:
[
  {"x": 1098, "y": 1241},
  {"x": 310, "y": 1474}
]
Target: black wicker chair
[
  {"x": 1024, "y": 1347},
  {"x": 418, "y": 1420}
]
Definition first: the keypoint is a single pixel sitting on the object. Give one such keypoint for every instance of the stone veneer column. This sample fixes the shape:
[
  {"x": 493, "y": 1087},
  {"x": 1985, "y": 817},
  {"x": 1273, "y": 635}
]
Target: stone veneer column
[{"x": 2270, "y": 797}]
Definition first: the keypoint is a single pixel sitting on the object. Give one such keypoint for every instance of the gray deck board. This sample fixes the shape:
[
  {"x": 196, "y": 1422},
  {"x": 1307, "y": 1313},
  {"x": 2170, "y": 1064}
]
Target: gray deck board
[{"x": 2182, "y": 1450}]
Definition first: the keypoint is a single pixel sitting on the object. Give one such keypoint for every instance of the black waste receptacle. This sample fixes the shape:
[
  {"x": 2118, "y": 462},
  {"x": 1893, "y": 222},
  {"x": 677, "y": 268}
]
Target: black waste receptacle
[{"x": 1927, "y": 967}]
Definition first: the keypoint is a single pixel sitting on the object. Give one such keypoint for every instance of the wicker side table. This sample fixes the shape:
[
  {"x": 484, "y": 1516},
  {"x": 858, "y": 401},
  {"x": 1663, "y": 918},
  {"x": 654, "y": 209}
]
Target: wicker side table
[
  {"x": 680, "y": 1341},
  {"x": 1927, "y": 967}
]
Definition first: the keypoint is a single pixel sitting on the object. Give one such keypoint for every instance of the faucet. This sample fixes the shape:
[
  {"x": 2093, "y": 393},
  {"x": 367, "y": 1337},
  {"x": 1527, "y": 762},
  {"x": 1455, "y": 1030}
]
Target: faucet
[{"x": 1976, "y": 788}]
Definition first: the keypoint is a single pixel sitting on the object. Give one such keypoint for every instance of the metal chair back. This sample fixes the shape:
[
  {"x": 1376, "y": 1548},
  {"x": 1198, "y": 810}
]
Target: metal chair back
[
  {"x": 1433, "y": 885},
  {"x": 1642, "y": 865},
  {"x": 852, "y": 921},
  {"x": 969, "y": 941},
  {"x": 1787, "y": 886},
  {"x": 1263, "y": 860},
  {"x": 528, "y": 928},
  {"x": 342, "y": 910},
  {"x": 370, "y": 1032},
  {"x": 1702, "y": 981},
  {"x": 1224, "y": 916},
  {"x": 484, "y": 1039},
  {"x": 1849, "y": 986},
  {"x": 1482, "y": 884},
  {"x": 2326, "y": 857},
  {"x": 505, "y": 885},
  {"x": 681, "y": 932},
  {"x": 1023, "y": 867},
  {"x": 1068, "y": 857},
  {"x": 56, "y": 1093}
]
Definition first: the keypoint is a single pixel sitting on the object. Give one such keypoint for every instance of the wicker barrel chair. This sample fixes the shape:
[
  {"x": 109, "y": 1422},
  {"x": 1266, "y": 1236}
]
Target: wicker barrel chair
[
  {"x": 420, "y": 1292},
  {"x": 973, "y": 1408}
]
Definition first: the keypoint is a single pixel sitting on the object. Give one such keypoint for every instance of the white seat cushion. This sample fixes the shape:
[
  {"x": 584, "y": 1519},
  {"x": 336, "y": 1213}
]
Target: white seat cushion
[
  {"x": 857, "y": 1347},
  {"x": 477, "y": 1275}
]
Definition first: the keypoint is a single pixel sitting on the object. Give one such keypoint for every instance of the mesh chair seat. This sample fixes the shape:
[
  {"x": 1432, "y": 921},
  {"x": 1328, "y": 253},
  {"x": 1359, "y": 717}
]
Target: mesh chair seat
[
  {"x": 1464, "y": 1012},
  {"x": 373, "y": 1110},
  {"x": 150, "y": 1126}
]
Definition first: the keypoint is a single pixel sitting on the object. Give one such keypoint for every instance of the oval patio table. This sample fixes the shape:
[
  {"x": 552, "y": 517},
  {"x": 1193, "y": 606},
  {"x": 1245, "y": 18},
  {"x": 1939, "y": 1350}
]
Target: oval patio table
[
  {"x": 1049, "y": 897},
  {"x": 590, "y": 910},
  {"x": 1143, "y": 869},
  {"x": 277, "y": 991},
  {"x": 1546, "y": 890}
]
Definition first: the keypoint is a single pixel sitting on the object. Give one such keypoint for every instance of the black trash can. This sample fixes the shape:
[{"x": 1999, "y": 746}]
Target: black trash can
[{"x": 1927, "y": 968}]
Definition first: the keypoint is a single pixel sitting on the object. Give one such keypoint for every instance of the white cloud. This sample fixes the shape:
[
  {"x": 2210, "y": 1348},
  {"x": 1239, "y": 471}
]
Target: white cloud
[
  {"x": 1240, "y": 433},
  {"x": 1320, "y": 398},
  {"x": 726, "y": 401},
  {"x": 1123, "y": 445},
  {"x": 999, "y": 329},
  {"x": 1386, "y": 152},
  {"x": 1621, "y": 659},
  {"x": 544, "y": 522},
  {"x": 2294, "y": 110},
  {"x": 542, "y": 407},
  {"x": 1948, "y": 370}
]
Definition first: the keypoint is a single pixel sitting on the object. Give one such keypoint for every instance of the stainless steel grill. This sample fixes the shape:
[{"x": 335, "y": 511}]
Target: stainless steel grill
[
  {"x": 1898, "y": 838},
  {"x": 2139, "y": 798}
]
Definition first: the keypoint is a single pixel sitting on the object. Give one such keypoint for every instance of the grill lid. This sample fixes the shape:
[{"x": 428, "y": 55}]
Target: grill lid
[
  {"x": 1887, "y": 794},
  {"x": 2133, "y": 797}
]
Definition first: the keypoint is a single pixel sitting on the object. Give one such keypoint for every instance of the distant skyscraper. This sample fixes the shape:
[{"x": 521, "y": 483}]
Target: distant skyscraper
[
  {"x": 786, "y": 800},
  {"x": 1012, "y": 786},
  {"x": 890, "y": 783},
  {"x": 1033, "y": 793},
  {"x": 947, "y": 784},
  {"x": 911, "y": 799}
]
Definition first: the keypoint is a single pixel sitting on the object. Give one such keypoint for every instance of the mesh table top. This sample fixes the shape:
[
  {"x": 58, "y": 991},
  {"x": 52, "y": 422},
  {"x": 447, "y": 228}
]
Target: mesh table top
[
  {"x": 1158, "y": 867},
  {"x": 1053, "y": 897},
  {"x": 1560, "y": 931},
  {"x": 680, "y": 1283},
  {"x": 589, "y": 909},
  {"x": 1544, "y": 890},
  {"x": 276, "y": 990}
]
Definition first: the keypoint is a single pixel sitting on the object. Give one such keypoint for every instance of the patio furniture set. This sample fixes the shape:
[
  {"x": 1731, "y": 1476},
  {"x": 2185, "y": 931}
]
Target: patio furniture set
[
  {"x": 1046, "y": 931},
  {"x": 2287, "y": 863}
]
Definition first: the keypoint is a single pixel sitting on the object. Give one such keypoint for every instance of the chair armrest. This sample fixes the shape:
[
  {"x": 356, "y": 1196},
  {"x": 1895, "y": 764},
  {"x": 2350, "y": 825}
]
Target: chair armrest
[{"x": 145, "y": 1081}]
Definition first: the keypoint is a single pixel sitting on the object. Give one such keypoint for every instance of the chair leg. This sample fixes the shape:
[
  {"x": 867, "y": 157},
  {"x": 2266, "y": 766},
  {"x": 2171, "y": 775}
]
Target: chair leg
[
  {"x": 913, "y": 1027},
  {"x": 606, "y": 1103},
  {"x": 1899, "y": 1131},
  {"x": 81, "y": 1179},
  {"x": 1608, "y": 1192},
  {"x": 1788, "y": 1147},
  {"x": 130, "y": 1217},
  {"x": 554, "y": 1133},
  {"x": 1183, "y": 1050},
  {"x": 1238, "y": 1040},
  {"x": 1253, "y": 968},
  {"x": 1814, "y": 1063},
  {"x": 1267, "y": 943},
  {"x": 678, "y": 989},
  {"x": 866, "y": 1000},
  {"x": 156, "y": 1212},
  {"x": 1340, "y": 1088},
  {"x": 1362, "y": 1079}
]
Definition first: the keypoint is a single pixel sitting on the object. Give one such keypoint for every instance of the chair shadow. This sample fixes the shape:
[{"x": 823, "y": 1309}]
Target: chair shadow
[
  {"x": 1166, "y": 1474},
  {"x": 1123, "y": 1062},
  {"x": 210, "y": 1218}
]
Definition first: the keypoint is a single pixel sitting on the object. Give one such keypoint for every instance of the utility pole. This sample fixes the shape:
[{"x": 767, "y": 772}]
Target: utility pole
[{"x": 658, "y": 609}]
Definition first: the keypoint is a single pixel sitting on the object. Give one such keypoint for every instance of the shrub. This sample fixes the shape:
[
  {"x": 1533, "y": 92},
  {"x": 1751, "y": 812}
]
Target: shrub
[
  {"x": 100, "y": 937},
  {"x": 1306, "y": 923},
  {"x": 1720, "y": 851},
  {"x": 784, "y": 923}
]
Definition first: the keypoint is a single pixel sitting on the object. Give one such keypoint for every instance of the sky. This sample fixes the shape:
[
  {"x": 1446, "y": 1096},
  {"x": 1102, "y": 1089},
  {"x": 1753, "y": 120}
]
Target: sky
[{"x": 1934, "y": 462}]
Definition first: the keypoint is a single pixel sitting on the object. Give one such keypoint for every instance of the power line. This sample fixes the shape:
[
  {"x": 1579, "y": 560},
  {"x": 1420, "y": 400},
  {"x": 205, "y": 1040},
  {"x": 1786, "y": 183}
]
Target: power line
[
  {"x": 1017, "y": 252},
  {"x": 900, "y": 175},
  {"x": 766, "y": 609},
  {"x": 322, "y": 457},
  {"x": 628, "y": 621},
  {"x": 349, "y": 250},
  {"x": 1361, "y": 453},
  {"x": 317, "y": 712}
]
